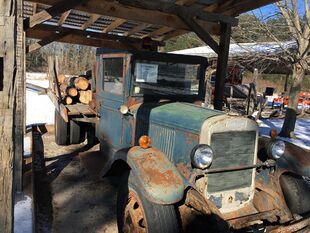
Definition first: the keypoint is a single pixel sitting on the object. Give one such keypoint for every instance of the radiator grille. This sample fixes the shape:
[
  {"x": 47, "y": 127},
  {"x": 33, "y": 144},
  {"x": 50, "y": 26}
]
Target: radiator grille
[
  {"x": 163, "y": 139},
  {"x": 232, "y": 149}
]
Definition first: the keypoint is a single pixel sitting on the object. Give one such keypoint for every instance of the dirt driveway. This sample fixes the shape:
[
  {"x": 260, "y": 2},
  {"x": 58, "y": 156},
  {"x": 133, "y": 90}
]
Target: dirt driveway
[{"x": 72, "y": 197}]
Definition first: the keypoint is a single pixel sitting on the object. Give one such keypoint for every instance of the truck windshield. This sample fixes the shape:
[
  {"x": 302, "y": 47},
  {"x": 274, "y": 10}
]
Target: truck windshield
[{"x": 165, "y": 78}]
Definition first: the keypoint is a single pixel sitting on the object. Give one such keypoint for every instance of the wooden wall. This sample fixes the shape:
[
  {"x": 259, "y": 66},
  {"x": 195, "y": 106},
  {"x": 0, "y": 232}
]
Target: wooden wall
[{"x": 11, "y": 105}]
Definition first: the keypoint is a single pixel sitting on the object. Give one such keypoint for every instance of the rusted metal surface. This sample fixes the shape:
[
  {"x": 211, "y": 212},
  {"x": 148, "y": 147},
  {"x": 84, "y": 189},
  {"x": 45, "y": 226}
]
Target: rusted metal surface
[
  {"x": 134, "y": 216},
  {"x": 269, "y": 184},
  {"x": 159, "y": 178},
  {"x": 303, "y": 224},
  {"x": 248, "y": 220},
  {"x": 184, "y": 169}
]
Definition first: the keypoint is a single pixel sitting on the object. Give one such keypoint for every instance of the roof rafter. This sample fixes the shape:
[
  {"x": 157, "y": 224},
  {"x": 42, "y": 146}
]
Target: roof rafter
[
  {"x": 56, "y": 9},
  {"x": 117, "y": 10},
  {"x": 137, "y": 28},
  {"x": 92, "y": 19},
  {"x": 63, "y": 17},
  {"x": 114, "y": 25}
]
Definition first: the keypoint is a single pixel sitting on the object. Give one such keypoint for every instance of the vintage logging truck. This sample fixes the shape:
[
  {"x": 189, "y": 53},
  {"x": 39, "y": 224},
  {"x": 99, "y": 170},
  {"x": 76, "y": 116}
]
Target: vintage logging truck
[{"x": 185, "y": 164}]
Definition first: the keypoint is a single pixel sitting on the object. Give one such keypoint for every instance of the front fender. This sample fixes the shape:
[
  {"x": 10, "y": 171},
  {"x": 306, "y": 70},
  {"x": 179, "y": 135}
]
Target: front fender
[
  {"x": 295, "y": 160},
  {"x": 159, "y": 179}
]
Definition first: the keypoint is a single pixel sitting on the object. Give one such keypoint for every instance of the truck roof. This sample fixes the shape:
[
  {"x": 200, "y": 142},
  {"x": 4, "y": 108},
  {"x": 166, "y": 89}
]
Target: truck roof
[{"x": 150, "y": 55}]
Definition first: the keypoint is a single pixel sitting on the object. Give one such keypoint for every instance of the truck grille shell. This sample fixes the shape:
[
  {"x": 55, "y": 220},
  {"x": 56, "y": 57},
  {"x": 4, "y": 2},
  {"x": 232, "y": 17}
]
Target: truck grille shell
[{"x": 232, "y": 149}]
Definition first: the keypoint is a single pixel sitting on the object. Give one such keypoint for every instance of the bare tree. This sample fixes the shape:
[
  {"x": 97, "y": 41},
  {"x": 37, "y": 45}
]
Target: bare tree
[{"x": 291, "y": 21}]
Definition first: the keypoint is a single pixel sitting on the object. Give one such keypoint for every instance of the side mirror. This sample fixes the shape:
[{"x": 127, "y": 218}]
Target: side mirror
[{"x": 124, "y": 109}]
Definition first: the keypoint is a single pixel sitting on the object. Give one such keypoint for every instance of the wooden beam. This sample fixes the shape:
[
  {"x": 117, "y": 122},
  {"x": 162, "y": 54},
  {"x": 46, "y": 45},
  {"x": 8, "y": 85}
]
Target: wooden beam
[
  {"x": 172, "y": 9},
  {"x": 92, "y": 19},
  {"x": 159, "y": 32},
  {"x": 56, "y": 9},
  {"x": 11, "y": 105},
  {"x": 63, "y": 17},
  {"x": 43, "y": 42},
  {"x": 221, "y": 69},
  {"x": 45, "y": 31},
  {"x": 172, "y": 34},
  {"x": 114, "y": 25},
  {"x": 201, "y": 33},
  {"x": 34, "y": 8},
  {"x": 136, "y": 29},
  {"x": 117, "y": 10},
  {"x": 94, "y": 39}
]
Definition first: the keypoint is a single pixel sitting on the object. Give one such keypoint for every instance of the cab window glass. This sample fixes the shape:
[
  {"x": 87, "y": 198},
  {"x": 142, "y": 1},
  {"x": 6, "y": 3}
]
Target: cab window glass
[{"x": 113, "y": 75}]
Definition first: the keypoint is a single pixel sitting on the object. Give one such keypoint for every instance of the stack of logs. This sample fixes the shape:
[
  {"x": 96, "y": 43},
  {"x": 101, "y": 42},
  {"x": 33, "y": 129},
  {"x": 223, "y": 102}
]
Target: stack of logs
[{"x": 75, "y": 89}]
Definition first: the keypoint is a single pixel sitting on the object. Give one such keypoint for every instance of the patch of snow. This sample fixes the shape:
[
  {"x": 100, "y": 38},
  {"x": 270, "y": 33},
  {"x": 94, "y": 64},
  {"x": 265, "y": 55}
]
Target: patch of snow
[
  {"x": 302, "y": 131},
  {"x": 23, "y": 216},
  {"x": 39, "y": 108}
]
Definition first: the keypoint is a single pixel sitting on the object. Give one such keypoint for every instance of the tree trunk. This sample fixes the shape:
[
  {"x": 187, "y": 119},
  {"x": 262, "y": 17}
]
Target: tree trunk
[{"x": 290, "y": 116}]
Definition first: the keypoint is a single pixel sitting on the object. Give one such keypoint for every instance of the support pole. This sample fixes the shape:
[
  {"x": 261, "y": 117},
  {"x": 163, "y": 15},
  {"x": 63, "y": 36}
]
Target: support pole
[{"x": 222, "y": 61}]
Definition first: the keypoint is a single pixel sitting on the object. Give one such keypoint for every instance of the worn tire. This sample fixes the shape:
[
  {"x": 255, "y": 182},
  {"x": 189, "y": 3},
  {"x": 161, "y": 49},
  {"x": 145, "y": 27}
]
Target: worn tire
[
  {"x": 61, "y": 130},
  {"x": 77, "y": 133},
  {"x": 296, "y": 193},
  {"x": 158, "y": 218}
]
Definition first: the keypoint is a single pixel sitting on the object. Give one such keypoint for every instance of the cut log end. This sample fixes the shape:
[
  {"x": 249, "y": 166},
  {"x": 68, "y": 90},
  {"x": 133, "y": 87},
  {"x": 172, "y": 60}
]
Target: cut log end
[
  {"x": 68, "y": 100},
  {"x": 72, "y": 91},
  {"x": 81, "y": 83},
  {"x": 85, "y": 96}
]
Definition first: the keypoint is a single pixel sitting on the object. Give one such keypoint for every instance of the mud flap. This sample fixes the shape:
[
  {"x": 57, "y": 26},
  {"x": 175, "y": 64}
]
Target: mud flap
[{"x": 159, "y": 178}]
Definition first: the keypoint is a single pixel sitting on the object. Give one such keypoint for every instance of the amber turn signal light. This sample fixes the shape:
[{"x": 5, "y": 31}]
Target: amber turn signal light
[
  {"x": 273, "y": 133},
  {"x": 145, "y": 142}
]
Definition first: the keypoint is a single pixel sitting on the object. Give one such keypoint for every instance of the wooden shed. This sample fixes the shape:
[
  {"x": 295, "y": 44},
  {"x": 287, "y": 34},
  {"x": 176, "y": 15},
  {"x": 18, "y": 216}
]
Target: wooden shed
[{"x": 118, "y": 24}]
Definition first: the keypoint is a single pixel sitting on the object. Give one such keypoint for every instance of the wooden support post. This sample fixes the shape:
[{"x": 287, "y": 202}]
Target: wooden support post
[
  {"x": 221, "y": 69},
  {"x": 11, "y": 104}
]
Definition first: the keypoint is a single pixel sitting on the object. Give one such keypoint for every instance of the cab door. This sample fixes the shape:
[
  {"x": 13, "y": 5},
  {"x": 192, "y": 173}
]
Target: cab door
[{"x": 110, "y": 96}]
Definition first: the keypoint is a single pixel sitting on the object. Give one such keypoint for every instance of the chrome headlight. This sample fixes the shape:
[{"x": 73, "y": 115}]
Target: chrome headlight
[
  {"x": 202, "y": 156},
  {"x": 276, "y": 149}
]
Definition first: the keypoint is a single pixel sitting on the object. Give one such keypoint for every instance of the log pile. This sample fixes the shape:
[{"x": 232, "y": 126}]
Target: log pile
[{"x": 75, "y": 89}]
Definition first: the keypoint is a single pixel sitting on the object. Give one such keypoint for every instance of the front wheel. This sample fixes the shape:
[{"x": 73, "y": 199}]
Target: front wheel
[{"x": 136, "y": 214}]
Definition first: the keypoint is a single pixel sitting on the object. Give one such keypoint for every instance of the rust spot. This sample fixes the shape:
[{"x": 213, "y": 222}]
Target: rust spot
[{"x": 184, "y": 170}]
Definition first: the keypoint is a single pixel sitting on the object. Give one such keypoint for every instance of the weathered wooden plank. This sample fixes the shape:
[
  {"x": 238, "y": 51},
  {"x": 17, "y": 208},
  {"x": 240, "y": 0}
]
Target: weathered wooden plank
[
  {"x": 51, "y": 12},
  {"x": 46, "y": 41},
  {"x": 138, "y": 28},
  {"x": 117, "y": 10},
  {"x": 20, "y": 121},
  {"x": 59, "y": 106},
  {"x": 92, "y": 19},
  {"x": 74, "y": 36},
  {"x": 203, "y": 34},
  {"x": 114, "y": 25},
  {"x": 63, "y": 17},
  {"x": 10, "y": 104}
]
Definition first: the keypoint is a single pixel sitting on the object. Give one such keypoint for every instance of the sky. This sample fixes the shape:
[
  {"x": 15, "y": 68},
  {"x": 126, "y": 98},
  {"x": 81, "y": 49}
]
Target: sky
[{"x": 271, "y": 9}]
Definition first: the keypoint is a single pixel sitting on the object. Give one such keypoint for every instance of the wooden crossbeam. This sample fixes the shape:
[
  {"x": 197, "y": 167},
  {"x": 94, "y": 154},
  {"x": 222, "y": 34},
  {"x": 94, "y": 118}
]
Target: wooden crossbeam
[
  {"x": 92, "y": 19},
  {"x": 58, "y": 8},
  {"x": 114, "y": 25},
  {"x": 43, "y": 42},
  {"x": 136, "y": 29},
  {"x": 34, "y": 8},
  {"x": 63, "y": 17},
  {"x": 75, "y": 36},
  {"x": 159, "y": 32},
  {"x": 172, "y": 34},
  {"x": 201, "y": 33},
  {"x": 117, "y": 10}
]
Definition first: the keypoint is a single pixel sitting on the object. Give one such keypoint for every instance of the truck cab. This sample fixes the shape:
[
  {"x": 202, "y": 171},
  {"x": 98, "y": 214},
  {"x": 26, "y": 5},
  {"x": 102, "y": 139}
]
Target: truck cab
[{"x": 181, "y": 158}]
